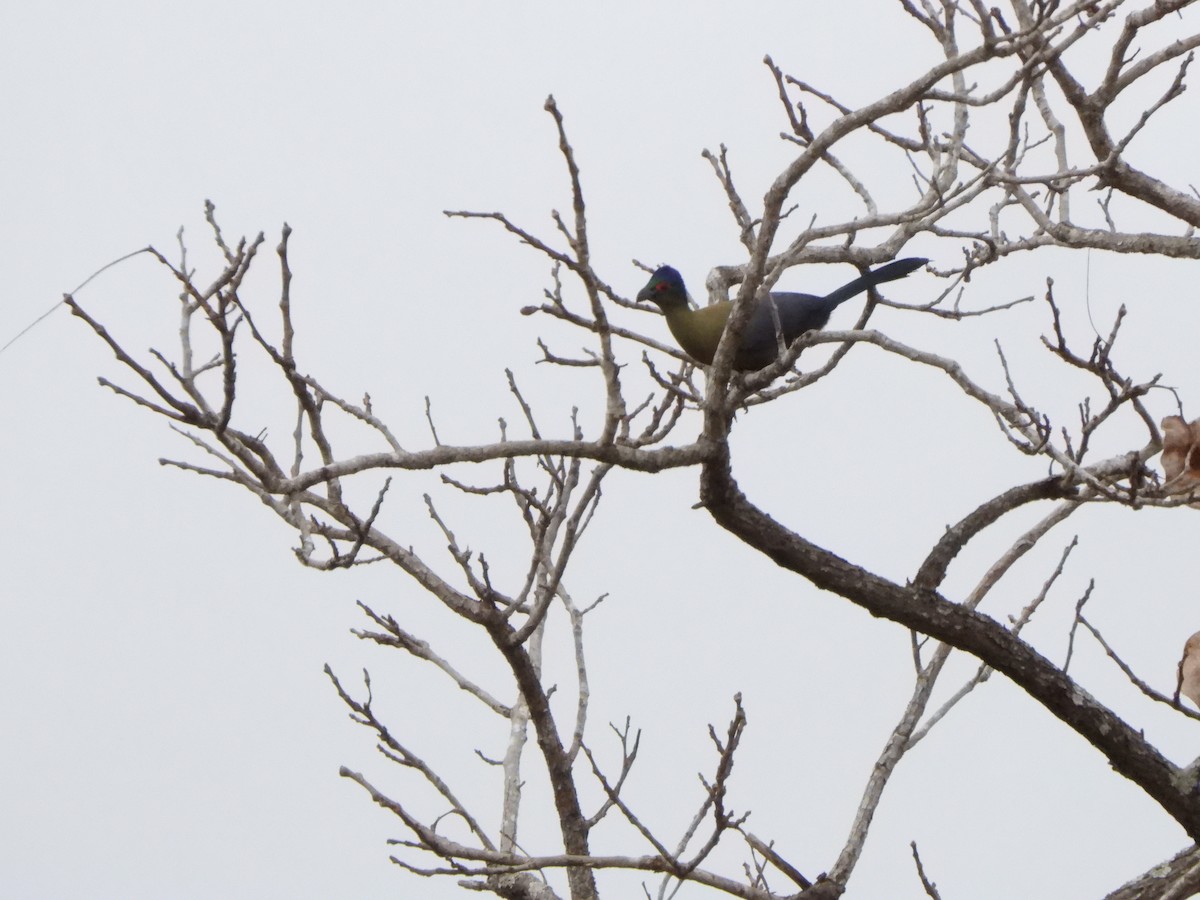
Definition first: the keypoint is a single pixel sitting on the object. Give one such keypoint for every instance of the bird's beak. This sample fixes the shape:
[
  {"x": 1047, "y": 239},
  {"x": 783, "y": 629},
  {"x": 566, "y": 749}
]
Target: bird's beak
[{"x": 644, "y": 295}]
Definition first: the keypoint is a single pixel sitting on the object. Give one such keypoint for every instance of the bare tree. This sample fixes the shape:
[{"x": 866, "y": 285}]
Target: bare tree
[{"x": 1003, "y": 143}]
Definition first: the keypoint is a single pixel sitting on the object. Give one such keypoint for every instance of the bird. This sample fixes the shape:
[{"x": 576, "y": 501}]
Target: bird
[
  {"x": 1189, "y": 670},
  {"x": 698, "y": 331}
]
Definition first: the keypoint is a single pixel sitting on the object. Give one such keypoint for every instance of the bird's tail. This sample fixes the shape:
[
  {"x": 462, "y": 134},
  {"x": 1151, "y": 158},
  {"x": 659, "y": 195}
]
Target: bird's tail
[{"x": 891, "y": 272}]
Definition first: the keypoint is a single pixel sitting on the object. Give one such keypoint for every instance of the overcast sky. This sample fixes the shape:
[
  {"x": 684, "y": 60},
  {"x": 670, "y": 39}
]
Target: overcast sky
[{"x": 167, "y": 729}]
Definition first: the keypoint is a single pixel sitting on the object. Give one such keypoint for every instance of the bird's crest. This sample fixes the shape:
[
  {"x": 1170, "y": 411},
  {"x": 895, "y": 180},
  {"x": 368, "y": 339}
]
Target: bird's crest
[{"x": 666, "y": 277}]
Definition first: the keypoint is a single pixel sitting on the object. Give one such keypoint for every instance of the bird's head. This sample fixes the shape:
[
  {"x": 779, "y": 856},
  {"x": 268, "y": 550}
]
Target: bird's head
[{"x": 664, "y": 289}]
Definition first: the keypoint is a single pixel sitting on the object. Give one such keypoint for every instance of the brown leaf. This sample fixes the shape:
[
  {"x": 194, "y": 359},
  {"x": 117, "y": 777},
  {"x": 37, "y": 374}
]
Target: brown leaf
[
  {"x": 1189, "y": 669},
  {"x": 1181, "y": 453}
]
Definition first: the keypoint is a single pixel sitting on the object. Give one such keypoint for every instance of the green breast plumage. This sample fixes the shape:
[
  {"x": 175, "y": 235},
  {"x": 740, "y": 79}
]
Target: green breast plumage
[{"x": 698, "y": 331}]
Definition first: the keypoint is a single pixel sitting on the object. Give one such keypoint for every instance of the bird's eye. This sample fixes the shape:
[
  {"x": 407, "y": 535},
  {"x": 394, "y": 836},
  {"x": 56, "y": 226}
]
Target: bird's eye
[{"x": 661, "y": 286}]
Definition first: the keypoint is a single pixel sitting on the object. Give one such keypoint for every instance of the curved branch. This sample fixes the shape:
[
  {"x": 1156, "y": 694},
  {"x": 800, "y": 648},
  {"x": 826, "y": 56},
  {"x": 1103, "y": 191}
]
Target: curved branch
[
  {"x": 957, "y": 536},
  {"x": 930, "y": 613}
]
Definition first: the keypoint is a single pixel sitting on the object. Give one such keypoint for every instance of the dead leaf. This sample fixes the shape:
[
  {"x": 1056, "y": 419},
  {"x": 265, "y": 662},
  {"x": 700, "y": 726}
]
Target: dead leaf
[
  {"x": 1181, "y": 454},
  {"x": 1189, "y": 669}
]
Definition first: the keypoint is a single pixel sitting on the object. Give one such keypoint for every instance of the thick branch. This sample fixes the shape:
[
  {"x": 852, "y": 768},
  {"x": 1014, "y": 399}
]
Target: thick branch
[{"x": 930, "y": 613}]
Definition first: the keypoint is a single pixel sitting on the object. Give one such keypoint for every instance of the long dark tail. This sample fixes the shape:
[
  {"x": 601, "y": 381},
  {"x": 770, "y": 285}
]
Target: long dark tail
[{"x": 890, "y": 272}]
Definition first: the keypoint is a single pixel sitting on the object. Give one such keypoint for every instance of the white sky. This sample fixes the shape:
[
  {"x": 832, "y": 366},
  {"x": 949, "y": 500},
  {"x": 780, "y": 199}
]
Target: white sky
[{"x": 167, "y": 730}]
